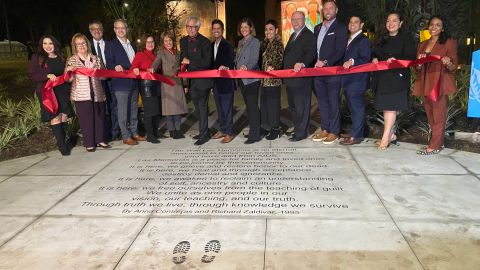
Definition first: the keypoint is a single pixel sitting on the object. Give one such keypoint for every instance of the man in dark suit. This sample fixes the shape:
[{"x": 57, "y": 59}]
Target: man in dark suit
[
  {"x": 111, "y": 129},
  {"x": 331, "y": 37},
  {"x": 196, "y": 54},
  {"x": 299, "y": 53},
  {"x": 354, "y": 85},
  {"x": 119, "y": 54},
  {"x": 223, "y": 89}
]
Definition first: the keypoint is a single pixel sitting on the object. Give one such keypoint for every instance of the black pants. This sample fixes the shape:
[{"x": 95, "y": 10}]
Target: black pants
[
  {"x": 91, "y": 116},
  {"x": 250, "y": 96},
  {"x": 200, "y": 101},
  {"x": 270, "y": 106},
  {"x": 301, "y": 101}
]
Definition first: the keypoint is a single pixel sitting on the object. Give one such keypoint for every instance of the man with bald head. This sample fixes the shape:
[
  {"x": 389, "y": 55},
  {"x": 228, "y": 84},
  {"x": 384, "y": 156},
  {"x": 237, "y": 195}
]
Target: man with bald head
[
  {"x": 299, "y": 53},
  {"x": 331, "y": 37}
]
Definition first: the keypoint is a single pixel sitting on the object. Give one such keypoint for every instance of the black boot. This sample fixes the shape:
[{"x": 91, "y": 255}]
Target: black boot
[
  {"x": 149, "y": 129},
  {"x": 274, "y": 134},
  {"x": 60, "y": 137},
  {"x": 179, "y": 134},
  {"x": 173, "y": 134}
]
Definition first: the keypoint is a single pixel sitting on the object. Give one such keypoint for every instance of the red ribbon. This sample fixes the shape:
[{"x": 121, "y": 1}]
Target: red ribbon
[
  {"x": 307, "y": 72},
  {"x": 50, "y": 101}
]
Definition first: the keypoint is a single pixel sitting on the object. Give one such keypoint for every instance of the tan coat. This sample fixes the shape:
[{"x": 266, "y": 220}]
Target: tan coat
[
  {"x": 173, "y": 97},
  {"x": 81, "y": 84},
  {"x": 425, "y": 81}
]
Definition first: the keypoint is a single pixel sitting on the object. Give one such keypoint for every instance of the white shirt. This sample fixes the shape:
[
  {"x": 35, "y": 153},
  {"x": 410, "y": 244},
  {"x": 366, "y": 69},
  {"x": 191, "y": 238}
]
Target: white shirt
[
  {"x": 322, "y": 34},
  {"x": 215, "y": 49},
  {"x": 102, "y": 47},
  {"x": 352, "y": 37},
  {"x": 128, "y": 49}
]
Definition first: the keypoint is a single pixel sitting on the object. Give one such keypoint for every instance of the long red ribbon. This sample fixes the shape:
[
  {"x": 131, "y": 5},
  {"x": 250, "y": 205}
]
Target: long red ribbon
[
  {"x": 50, "y": 101},
  {"x": 307, "y": 72}
]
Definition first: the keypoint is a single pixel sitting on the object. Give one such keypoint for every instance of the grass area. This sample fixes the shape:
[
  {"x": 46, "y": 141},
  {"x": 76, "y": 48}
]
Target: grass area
[{"x": 14, "y": 78}]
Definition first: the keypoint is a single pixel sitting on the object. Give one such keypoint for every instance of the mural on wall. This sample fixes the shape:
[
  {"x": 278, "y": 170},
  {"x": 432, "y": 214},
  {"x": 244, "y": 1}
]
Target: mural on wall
[{"x": 309, "y": 7}]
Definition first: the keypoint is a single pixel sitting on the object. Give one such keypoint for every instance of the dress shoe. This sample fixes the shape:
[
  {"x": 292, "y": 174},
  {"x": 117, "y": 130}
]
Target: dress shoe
[
  {"x": 345, "y": 135},
  {"x": 331, "y": 138},
  {"x": 104, "y": 145},
  {"x": 196, "y": 137},
  {"x": 290, "y": 131},
  {"x": 351, "y": 141},
  {"x": 153, "y": 140},
  {"x": 179, "y": 134},
  {"x": 90, "y": 149},
  {"x": 250, "y": 141},
  {"x": 275, "y": 133},
  {"x": 202, "y": 141},
  {"x": 296, "y": 139},
  {"x": 227, "y": 139},
  {"x": 320, "y": 136},
  {"x": 139, "y": 138},
  {"x": 218, "y": 135},
  {"x": 130, "y": 141},
  {"x": 173, "y": 134}
]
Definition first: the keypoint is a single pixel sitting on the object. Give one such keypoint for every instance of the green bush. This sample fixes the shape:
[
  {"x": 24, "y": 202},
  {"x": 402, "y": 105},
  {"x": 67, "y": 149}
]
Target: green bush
[{"x": 27, "y": 119}]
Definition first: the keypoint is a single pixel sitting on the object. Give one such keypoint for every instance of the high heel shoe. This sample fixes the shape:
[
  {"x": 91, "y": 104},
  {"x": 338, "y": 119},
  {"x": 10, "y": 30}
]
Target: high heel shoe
[
  {"x": 104, "y": 145},
  {"x": 275, "y": 133}
]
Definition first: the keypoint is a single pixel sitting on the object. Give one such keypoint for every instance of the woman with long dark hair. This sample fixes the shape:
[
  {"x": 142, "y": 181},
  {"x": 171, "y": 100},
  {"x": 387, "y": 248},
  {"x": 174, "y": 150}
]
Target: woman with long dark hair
[
  {"x": 149, "y": 90},
  {"x": 47, "y": 64},
  {"x": 392, "y": 87},
  {"x": 248, "y": 53},
  {"x": 436, "y": 80}
]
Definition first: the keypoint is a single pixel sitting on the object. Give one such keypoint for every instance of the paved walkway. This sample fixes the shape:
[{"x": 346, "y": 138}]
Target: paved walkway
[{"x": 271, "y": 205}]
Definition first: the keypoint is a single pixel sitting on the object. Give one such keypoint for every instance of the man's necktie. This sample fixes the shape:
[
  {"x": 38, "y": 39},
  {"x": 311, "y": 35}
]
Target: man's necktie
[{"x": 99, "y": 54}]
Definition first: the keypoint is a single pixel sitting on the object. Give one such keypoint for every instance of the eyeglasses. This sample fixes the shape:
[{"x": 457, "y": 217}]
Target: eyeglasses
[
  {"x": 120, "y": 28},
  {"x": 192, "y": 27},
  {"x": 81, "y": 44}
]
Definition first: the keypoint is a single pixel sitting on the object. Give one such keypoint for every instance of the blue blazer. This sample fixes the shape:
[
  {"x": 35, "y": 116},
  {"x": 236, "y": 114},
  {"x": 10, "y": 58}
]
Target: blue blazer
[
  {"x": 334, "y": 43},
  {"x": 360, "y": 50},
  {"x": 225, "y": 58},
  {"x": 115, "y": 55}
]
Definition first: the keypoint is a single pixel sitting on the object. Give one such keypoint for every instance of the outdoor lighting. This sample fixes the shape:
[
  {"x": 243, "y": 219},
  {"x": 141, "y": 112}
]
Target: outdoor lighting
[
  {"x": 468, "y": 41},
  {"x": 125, "y": 5},
  {"x": 138, "y": 40}
]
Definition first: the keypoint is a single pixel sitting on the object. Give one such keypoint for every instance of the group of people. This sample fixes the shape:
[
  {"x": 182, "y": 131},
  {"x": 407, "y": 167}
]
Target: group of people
[{"x": 331, "y": 44}]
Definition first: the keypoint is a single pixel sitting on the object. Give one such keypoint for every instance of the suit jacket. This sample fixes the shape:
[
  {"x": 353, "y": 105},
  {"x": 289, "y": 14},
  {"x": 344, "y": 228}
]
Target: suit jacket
[
  {"x": 115, "y": 55},
  {"x": 38, "y": 73},
  {"x": 200, "y": 55},
  {"x": 225, "y": 58},
  {"x": 248, "y": 55},
  {"x": 334, "y": 43},
  {"x": 106, "y": 82},
  {"x": 360, "y": 50},
  {"x": 430, "y": 73},
  {"x": 300, "y": 50}
]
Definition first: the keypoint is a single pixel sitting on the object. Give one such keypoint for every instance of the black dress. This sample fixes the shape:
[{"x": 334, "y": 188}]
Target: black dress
[
  {"x": 62, "y": 92},
  {"x": 392, "y": 87}
]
